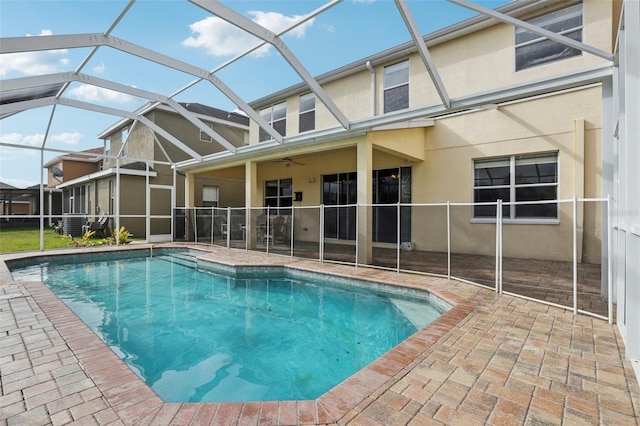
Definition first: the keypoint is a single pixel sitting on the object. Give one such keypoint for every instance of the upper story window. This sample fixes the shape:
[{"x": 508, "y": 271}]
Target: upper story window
[
  {"x": 107, "y": 151},
  {"x": 519, "y": 178},
  {"x": 396, "y": 87},
  {"x": 204, "y": 137},
  {"x": 533, "y": 49},
  {"x": 276, "y": 116},
  {"x": 307, "y": 112},
  {"x": 125, "y": 143}
]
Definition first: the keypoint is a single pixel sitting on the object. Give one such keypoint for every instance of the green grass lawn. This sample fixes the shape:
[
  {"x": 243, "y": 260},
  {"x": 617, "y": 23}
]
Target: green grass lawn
[{"x": 28, "y": 239}]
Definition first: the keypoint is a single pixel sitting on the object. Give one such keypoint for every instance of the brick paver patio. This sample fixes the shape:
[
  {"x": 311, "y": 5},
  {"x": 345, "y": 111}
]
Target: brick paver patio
[{"x": 492, "y": 359}]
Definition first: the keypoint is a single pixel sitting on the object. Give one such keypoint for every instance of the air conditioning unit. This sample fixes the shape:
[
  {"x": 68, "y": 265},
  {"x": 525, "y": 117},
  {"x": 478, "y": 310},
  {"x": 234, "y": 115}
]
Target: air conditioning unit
[{"x": 407, "y": 245}]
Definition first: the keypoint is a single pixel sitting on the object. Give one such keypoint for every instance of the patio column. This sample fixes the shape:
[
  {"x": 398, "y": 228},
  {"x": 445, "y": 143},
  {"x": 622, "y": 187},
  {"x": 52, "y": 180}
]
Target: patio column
[
  {"x": 190, "y": 190},
  {"x": 365, "y": 197},
  {"x": 252, "y": 199},
  {"x": 578, "y": 171},
  {"x": 189, "y": 202}
]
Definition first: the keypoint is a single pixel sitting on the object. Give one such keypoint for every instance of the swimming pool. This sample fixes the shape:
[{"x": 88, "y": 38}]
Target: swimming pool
[{"x": 194, "y": 334}]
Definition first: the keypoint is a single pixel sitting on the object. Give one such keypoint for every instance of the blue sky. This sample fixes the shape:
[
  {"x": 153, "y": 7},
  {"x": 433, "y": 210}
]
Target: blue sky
[{"x": 348, "y": 31}]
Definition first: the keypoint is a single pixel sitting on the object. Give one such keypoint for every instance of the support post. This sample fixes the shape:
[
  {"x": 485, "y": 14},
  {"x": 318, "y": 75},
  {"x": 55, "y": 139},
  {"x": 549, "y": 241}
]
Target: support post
[
  {"x": 365, "y": 198},
  {"x": 250, "y": 200},
  {"x": 575, "y": 255}
]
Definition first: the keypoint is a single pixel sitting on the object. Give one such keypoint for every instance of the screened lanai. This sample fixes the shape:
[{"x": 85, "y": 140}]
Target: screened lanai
[{"x": 55, "y": 94}]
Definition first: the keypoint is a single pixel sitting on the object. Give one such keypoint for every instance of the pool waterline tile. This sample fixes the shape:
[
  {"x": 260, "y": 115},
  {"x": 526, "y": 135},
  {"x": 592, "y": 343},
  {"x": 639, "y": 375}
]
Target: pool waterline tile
[{"x": 349, "y": 402}]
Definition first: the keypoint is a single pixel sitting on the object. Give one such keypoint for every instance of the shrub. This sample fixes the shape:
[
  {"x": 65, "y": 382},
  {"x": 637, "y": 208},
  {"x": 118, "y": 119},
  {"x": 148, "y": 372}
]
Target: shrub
[
  {"x": 85, "y": 240},
  {"x": 122, "y": 235}
]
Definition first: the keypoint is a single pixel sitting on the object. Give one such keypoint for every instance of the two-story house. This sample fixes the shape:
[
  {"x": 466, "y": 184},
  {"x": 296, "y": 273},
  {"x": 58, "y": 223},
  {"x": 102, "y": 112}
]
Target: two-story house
[
  {"x": 524, "y": 124},
  {"x": 134, "y": 176}
]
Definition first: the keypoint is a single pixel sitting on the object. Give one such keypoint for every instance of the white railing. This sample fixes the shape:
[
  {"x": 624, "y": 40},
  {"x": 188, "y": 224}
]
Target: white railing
[{"x": 562, "y": 261}]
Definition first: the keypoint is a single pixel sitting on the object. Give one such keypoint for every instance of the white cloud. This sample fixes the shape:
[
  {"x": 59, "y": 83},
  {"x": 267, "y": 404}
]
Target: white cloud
[
  {"x": 220, "y": 38},
  {"x": 68, "y": 138},
  {"x": 277, "y": 22},
  {"x": 20, "y": 139},
  {"x": 91, "y": 93},
  {"x": 16, "y": 163},
  {"x": 99, "y": 69},
  {"x": 18, "y": 158},
  {"x": 34, "y": 63}
]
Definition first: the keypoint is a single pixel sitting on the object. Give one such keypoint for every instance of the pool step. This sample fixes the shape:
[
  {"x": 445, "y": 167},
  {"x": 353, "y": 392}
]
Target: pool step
[
  {"x": 413, "y": 311},
  {"x": 179, "y": 258}
]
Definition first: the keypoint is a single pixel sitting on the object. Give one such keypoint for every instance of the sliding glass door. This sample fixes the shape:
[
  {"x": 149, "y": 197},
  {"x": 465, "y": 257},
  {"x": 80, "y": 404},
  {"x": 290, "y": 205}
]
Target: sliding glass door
[
  {"x": 391, "y": 186},
  {"x": 340, "y": 190}
]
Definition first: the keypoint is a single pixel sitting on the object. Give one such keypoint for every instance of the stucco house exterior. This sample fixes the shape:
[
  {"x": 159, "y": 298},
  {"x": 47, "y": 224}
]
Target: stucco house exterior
[
  {"x": 525, "y": 125},
  {"x": 136, "y": 159}
]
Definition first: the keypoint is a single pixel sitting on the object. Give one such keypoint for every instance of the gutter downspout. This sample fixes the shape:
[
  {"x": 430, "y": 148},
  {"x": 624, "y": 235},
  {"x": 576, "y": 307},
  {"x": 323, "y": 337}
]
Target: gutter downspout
[{"x": 373, "y": 88}]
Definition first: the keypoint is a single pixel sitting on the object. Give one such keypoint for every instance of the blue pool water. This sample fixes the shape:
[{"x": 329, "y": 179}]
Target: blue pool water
[{"x": 201, "y": 336}]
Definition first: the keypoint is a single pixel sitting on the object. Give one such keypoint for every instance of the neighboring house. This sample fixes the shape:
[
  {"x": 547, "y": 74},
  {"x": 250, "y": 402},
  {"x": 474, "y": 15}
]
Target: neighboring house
[
  {"x": 525, "y": 125},
  {"x": 13, "y": 200},
  {"x": 26, "y": 202},
  {"x": 135, "y": 159},
  {"x": 65, "y": 168}
]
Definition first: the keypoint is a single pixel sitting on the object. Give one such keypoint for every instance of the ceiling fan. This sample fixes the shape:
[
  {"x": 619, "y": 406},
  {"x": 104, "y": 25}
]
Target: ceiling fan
[{"x": 288, "y": 162}]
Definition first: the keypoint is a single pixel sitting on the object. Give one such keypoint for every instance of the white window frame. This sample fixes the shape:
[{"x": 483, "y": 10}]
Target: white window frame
[
  {"x": 204, "y": 137},
  {"x": 107, "y": 151},
  {"x": 512, "y": 186},
  {"x": 545, "y": 21},
  {"x": 311, "y": 109},
  {"x": 279, "y": 208},
  {"x": 399, "y": 66},
  {"x": 214, "y": 191},
  {"x": 268, "y": 115},
  {"x": 123, "y": 141}
]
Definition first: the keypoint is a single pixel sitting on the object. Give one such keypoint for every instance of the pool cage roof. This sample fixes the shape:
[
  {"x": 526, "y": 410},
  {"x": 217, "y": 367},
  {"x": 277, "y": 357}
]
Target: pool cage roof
[{"x": 49, "y": 90}]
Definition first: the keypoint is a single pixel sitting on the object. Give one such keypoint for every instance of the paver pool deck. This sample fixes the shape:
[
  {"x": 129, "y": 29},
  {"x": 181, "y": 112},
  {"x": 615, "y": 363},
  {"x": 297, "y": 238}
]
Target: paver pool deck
[{"x": 492, "y": 359}]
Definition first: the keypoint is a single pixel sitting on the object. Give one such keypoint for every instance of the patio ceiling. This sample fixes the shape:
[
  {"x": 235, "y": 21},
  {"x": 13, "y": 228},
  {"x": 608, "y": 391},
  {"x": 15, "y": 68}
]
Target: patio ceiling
[{"x": 22, "y": 94}]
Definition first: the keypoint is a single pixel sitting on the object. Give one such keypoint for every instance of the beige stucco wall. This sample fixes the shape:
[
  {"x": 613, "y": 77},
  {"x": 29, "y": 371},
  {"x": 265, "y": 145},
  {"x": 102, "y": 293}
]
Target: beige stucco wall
[
  {"x": 537, "y": 126},
  {"x": 142, "y": 146},
  {"x": 476, "y": 63},
  {"x": 230, "y": 183},
  {"x": 102, "y": 196},
  {"x": 189, "y": 134},
  {"x": 569, "y": 124}
]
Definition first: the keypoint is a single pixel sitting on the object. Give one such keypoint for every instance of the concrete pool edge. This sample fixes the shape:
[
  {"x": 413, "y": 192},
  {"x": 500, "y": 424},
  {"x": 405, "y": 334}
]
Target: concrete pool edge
[{"x": 134, "y": 402}]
